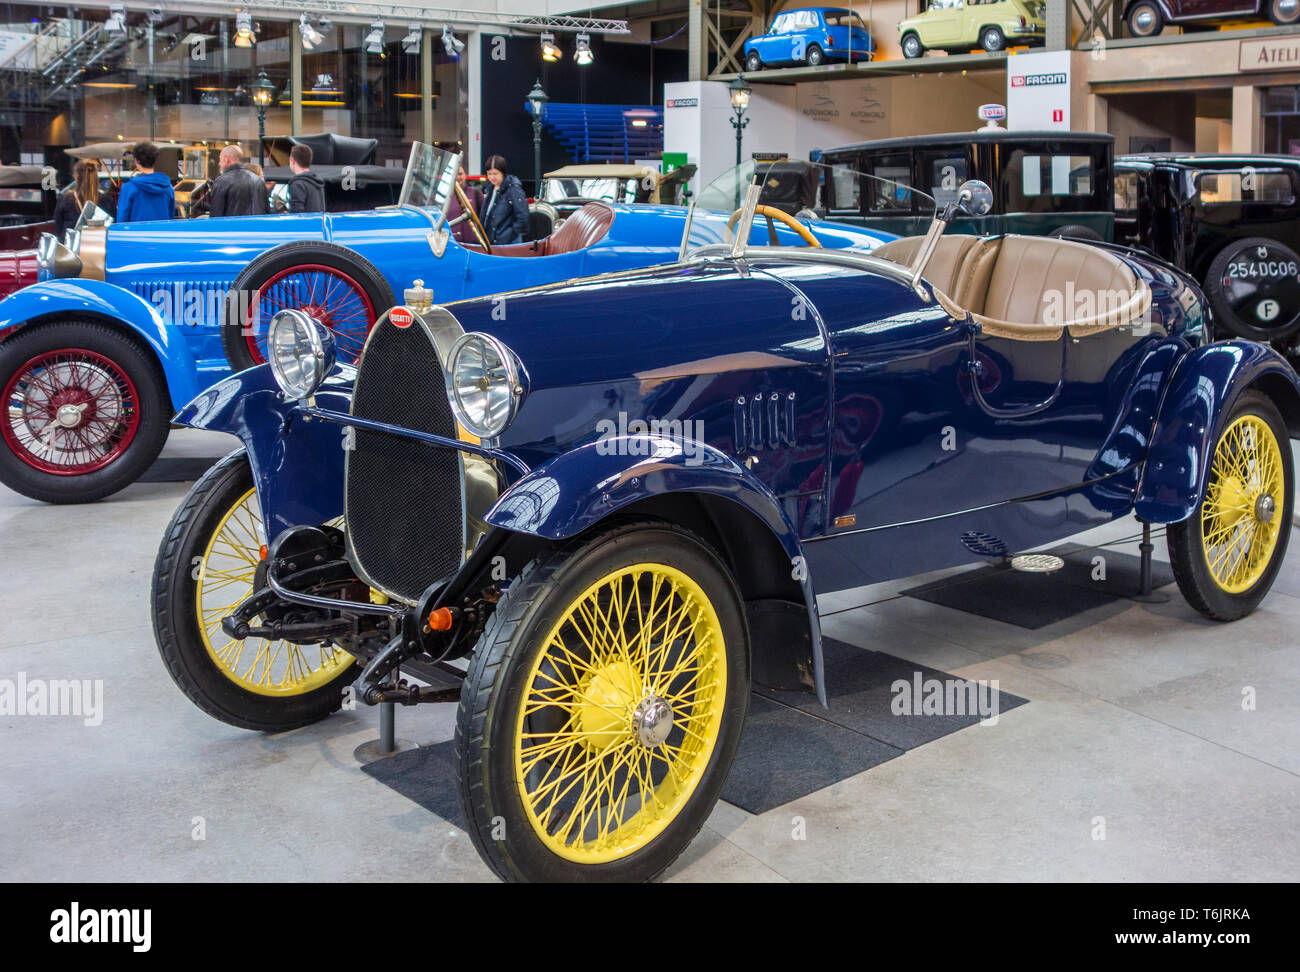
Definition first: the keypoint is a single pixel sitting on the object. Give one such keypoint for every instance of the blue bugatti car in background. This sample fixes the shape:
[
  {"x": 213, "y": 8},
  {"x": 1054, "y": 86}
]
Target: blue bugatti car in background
[
  {"x": 130, "y": 322},
  {"x": 592, "y": 519}
]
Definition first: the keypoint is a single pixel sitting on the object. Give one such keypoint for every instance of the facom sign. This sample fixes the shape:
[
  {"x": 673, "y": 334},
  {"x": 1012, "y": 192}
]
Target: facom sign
[{"x": 1038, "y": 90}]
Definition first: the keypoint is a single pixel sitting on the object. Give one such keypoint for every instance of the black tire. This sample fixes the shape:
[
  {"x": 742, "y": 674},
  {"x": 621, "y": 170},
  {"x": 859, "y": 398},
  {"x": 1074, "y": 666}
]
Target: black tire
[
  {"x": 494, "y": 688},
  {"x": 1144, "y": 19},
  {"x": 285, "y": 257},
  {"x": 1284, "y": 293},
  {"x": 136, "y": 362},
  {"x": 1186, "y": 551},
  {"x": 992, "y": 39},
  {"x": 1284, "y": 13},
  {"x": 813, "y": 57},
  {"x": 753, "y": 62},
  {"x": 912, "y": 46},
  {"x": 176, "y": 622},
  {"x": 1073, "y": 231}
]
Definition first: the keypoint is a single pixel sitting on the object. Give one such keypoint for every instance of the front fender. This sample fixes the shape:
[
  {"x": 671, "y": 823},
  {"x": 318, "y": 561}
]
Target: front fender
[
  {"x": 97, "y": 300},
  {"x": 1202, "y": 391},
  {"x": 297, "y": 466},
  {"x": 580, "y": 488}
]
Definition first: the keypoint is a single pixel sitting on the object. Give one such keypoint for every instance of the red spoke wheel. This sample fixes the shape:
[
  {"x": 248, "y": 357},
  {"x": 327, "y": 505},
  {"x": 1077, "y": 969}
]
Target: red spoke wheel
[
  {"x": 85, "y": 411},
  {"x": 70, "y": 411},
  {"x": 330, "y": 296},
  {"x": 332, "y": 284}
]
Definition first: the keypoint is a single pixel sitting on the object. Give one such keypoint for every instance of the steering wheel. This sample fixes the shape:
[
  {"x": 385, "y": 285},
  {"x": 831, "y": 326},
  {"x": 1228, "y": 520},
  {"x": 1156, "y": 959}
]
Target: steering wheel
[
  {"x": 474, "y": 224},
  {"x": 771, "y": 212}
]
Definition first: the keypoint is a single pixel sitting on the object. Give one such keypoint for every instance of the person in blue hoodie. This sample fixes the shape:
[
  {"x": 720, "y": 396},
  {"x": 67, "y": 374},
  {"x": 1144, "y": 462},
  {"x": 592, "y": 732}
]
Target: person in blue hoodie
[{"x": 147, "y": 194}]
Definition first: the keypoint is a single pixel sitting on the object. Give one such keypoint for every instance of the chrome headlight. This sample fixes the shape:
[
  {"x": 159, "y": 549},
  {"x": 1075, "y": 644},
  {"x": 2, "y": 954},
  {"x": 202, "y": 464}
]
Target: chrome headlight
[
  {"x": 483, "y": 384},
  {"x": 300, "y": 351}
]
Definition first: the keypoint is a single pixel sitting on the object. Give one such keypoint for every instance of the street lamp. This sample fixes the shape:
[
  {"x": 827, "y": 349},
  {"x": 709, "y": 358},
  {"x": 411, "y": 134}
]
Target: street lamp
[
  {"x": 262, "y": 90},
  {"x": 537, "y": 100},
  {"x": 739, "y": 104}
]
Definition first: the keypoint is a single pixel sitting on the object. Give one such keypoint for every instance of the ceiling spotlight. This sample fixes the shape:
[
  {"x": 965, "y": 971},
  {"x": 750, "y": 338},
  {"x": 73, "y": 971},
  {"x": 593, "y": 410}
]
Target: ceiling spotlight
[
  {"x": 116, "y": 22},
  {"x": 450, "y": 43},
  {"x": 374, "y": 42},
  {"x": 582, "y": 50},
  {"x": 244, "y": 36},
  {"x": 310, "y": 35},
  {"x": 411, "y": 42},
  {"x": 550, "y": 50}
]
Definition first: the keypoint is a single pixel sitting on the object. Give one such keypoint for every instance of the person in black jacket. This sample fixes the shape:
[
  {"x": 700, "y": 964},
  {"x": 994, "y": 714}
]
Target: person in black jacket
[
  {"x": 237, "y": 191},
  {"x": 306, "y": 189},
  {"x": 504, "y": 213}
]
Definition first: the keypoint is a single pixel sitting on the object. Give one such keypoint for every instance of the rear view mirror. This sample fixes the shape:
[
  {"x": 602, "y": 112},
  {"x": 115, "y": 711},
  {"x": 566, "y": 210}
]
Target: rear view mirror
[{"x": 975, "y": 198}]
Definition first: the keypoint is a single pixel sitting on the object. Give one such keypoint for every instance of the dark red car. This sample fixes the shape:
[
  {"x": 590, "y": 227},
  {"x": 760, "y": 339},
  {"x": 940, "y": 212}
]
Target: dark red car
[{"x": 1146, "y": 18}]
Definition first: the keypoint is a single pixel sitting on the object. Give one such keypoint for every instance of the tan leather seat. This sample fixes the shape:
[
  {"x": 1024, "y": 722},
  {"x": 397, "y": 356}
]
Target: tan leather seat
[{"x": 1028, "y": 287}]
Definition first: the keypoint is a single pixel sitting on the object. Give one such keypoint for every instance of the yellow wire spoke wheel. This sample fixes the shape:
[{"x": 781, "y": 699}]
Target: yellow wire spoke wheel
[
  {"x": 1242, "y": 515},
  {"x": 225, "y": 578},
  {"x": 620, "y": 713}
]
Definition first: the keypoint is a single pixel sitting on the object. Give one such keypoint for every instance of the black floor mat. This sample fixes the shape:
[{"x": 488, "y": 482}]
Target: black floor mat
[
  {"x": 791, "y": 745},
  {"x": 180, "y": 469},
  {"x": 1036, "y": 600}
]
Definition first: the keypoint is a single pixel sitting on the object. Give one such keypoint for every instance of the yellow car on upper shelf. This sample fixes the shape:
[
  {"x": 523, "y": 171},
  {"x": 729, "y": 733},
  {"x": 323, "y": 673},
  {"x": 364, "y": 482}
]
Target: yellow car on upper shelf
[{"x": 963, "y": 24}]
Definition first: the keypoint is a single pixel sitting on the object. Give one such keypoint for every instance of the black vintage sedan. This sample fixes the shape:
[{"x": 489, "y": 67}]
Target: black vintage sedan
[{"x": 1232, "y": 222}]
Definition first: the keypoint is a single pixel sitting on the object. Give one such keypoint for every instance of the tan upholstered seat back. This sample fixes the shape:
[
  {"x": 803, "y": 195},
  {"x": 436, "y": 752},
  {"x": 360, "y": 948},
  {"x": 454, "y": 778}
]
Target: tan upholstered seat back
[
  {"x": 1028, "y": 287},
  {"x": 944, "y": 269},
  {"x": 1054, "y": 282}
]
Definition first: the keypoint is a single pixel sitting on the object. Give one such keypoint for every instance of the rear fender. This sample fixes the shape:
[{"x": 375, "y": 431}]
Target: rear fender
[
  {"x": 297, "y": 466},
  {"x": 1203, "y": 390},
  {"x": 96, "y": 300},
  {"x": 583, "y": 487}
]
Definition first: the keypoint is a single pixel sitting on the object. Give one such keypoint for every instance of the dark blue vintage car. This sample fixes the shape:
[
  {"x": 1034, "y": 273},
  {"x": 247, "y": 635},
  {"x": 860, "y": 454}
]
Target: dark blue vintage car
[
  {"x": 132, "y": 321},
  {"x": 593, "y": 512}
]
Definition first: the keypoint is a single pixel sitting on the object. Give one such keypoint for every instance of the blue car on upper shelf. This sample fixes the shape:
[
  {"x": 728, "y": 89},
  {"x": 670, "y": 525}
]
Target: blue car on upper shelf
[
  {"x": 812, "y": 36},
  {"x": 130, "y": 322},
  {"x": 594, "y": 519}
]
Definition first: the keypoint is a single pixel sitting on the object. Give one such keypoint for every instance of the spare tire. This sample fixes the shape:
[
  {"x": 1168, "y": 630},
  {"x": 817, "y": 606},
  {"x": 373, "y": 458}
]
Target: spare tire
[
  {"x": 1254, "y": 289},
  {"x": 1075, "y": 231},
  {"x": 335, "y": 285}
]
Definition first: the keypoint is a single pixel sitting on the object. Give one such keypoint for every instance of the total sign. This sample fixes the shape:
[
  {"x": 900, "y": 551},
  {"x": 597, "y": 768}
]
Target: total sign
[{"x": 1038, "y": 90}]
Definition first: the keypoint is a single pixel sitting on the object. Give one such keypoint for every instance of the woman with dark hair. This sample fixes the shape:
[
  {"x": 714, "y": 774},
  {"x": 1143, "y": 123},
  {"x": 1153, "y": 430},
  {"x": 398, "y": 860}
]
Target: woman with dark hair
[
  {"x": 84, "y": 189},
  {"x": 504, "y": 213}
]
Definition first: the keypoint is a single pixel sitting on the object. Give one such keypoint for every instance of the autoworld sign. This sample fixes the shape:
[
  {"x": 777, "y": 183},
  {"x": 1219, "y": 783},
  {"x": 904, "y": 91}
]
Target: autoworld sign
[{"x": 1268, "y": 54}]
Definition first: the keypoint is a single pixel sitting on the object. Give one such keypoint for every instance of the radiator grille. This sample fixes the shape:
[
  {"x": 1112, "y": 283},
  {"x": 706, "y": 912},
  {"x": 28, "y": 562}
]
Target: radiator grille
[{"x": 404, "y": 498}]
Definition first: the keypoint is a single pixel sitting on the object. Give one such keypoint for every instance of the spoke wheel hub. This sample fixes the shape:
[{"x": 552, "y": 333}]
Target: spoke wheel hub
[
  {"x": 1265, "y": 508},
  {"x": 653, "y": 719}
]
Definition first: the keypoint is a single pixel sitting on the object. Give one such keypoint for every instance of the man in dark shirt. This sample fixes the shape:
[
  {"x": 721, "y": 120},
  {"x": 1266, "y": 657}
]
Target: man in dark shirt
[
  {"x": 306, "y": 189},
  {"x": 237, "y": 191}
]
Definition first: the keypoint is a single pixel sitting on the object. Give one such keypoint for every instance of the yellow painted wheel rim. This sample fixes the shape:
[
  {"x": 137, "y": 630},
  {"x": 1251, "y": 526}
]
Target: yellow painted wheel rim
[
  {"x": 594, "y": 787},
  {"x": 1242, "y": 517},
  {"x": 225, "y": 578}
]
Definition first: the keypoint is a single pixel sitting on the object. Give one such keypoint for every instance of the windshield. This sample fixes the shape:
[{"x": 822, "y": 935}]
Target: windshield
[
  {"x": 608, "y": 188},
  {"x": 430, "y": 179},
  {"x": 803, "y": 191}
]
